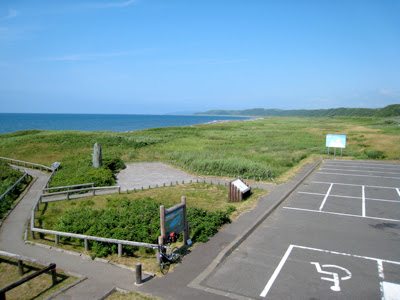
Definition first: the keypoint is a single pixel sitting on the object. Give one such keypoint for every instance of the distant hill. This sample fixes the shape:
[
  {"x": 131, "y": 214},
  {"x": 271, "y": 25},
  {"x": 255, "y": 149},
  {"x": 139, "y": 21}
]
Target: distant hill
[{"x": 386, "y": 112}]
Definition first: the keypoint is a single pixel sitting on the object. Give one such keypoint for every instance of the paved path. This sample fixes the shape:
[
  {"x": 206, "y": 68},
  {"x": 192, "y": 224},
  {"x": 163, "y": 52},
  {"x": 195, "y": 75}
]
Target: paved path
[
  {"x": 183, "y": 283},
  {"x": 101, "y": 277},
  {"x": 138, "y": 175}
]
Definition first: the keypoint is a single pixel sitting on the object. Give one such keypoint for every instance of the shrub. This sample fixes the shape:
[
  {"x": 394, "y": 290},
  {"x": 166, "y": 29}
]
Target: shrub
[
  {"x": 133, "y": 220},
  {"x": 374, "y": 154},
  {"x": 8, "y": 176}
]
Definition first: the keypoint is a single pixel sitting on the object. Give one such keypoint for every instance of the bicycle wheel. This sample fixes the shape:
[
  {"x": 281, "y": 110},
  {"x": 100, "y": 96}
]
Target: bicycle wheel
[
  {"x": 164, "y": 267},
  {"x": 175, "y": 255}
]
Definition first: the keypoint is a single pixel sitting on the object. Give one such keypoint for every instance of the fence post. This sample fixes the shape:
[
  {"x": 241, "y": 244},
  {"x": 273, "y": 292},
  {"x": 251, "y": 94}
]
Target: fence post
[
  {"x": 119, "y": 250},
  {"x": 86, "y": 244},
  {"x": 139, "y": 273},
  {"x": 162, "y": 221},
  {"x": 54, "y": 274},
  {"x": 160, "y": 242},
  {"x": 186, "y": 230},
  {"x": 119, "y": 190},
  {"x": 56, "y": 239},
  {"x": 20, "y": 267},
  {"x": 33, "y": 224}
]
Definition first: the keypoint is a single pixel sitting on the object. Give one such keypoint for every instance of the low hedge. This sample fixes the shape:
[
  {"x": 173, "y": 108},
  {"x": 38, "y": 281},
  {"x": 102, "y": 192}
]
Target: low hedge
[{"x": 134, "y": 220}]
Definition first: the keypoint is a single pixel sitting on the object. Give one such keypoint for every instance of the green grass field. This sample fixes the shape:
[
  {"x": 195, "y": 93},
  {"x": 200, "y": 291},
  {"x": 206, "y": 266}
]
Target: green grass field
[{"x": 249, "y": 148}]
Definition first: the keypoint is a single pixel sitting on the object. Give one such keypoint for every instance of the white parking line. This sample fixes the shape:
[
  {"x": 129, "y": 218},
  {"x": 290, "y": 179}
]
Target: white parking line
[
  {"x": 326, "y": 197},
  {"x": 349, "y": 184},
  {"x": 385, "y": 292},
  {"x": 276, "y": 272},
  {"x": 340, "y": 214},
  {"x": 350, "y": 197},
  {"x": 356, "y": 175},
  {"x": 370, "y": 165},
  {"x": 363, "y": 201},
  {"x": 353, "y": 170}
]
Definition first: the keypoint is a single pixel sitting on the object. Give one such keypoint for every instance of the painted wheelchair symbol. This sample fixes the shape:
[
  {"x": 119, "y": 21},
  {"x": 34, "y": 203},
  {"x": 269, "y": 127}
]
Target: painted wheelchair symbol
[{"x": 335, "y": 276}]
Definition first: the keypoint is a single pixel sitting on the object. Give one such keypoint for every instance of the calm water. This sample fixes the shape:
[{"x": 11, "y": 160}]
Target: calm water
[{"x": 90, "y": 122}]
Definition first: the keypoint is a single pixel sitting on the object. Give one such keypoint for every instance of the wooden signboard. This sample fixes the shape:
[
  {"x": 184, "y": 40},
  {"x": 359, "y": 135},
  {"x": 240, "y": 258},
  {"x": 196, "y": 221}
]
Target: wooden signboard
[{"x": 174, "y": 220}]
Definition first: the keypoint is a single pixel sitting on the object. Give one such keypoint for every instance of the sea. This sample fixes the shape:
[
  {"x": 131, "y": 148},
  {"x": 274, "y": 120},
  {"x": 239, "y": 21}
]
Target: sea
[{"x": 11, "y": 122}]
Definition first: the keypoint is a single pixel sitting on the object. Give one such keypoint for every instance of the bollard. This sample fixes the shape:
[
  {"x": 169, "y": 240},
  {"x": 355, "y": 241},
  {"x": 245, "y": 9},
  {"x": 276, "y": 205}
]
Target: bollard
[{"x": 138, "y": 274}]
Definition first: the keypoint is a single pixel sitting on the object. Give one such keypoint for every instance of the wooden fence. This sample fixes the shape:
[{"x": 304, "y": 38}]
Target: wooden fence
[
  {"x": 86, "y": 238},
  {"x": 68, "y": 191},
  {"x": 21, "y": 259},
  {"x": 14, "y": 185},
  {"x": 27, "y": 164}
]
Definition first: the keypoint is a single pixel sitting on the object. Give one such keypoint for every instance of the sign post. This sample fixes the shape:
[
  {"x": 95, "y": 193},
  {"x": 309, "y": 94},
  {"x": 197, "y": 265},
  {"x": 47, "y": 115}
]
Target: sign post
[
  {"x": 336, "y": 141},
  {"x": 174, "y": 220}
]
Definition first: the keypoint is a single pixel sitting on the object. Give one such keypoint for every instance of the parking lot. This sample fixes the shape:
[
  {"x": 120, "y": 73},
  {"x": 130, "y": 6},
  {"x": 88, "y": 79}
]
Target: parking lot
[{"x": 336, "y": 237}]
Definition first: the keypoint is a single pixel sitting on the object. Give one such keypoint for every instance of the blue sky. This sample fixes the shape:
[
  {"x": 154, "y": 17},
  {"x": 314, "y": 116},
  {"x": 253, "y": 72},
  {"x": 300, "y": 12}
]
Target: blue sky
[{"x": 161, "y": 56}]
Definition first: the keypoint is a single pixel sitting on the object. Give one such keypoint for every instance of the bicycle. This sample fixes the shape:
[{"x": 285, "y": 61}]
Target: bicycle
[{"x": 168, "y": 255}]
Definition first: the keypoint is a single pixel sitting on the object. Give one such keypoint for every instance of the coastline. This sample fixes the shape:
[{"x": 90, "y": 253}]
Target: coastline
[{"x": 14, "y": 122}]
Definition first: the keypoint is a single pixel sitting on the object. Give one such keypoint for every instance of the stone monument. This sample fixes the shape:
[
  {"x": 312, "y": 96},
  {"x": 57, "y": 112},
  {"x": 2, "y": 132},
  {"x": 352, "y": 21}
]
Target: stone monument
[{"x": 97, "y": 156}]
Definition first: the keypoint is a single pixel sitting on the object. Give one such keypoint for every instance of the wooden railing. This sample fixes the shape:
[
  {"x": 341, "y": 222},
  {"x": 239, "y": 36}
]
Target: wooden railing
[
  {"x": 21, "y": 259},
  {"x": 92, "y": 189},
  {"x": 86, "y": 238},
  {"x": 14, "y": 185},
  {"x": 26, "y": 164}
]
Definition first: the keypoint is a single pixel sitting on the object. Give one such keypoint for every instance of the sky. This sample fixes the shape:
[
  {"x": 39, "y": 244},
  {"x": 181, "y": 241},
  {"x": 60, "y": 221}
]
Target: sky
[{"x": 166, "y": 56}]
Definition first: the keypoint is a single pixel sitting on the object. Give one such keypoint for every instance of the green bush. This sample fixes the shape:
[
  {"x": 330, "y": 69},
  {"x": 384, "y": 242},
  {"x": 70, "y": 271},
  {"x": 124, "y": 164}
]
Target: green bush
[
  {"x": 374, "y": 154},
  {"x": 83, "y": 172},
  {"x": 8, "y": 176},
  {"x": 133, "y": 220},
  {"x": 114, "y": 164}
]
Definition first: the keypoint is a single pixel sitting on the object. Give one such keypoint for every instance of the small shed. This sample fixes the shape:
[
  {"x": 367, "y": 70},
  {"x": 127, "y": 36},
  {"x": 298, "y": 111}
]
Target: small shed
[{"x": 238, "y": 190}]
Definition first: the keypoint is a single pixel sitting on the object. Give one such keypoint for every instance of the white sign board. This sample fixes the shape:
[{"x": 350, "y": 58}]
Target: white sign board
[
  {"x": 241, "y": 185},
  {"x": 335, "y": 141}
]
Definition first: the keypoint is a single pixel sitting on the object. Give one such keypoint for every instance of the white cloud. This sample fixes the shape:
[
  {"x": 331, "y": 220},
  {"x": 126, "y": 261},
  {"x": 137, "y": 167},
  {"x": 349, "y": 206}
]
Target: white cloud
[{"x": 12, "y": 13}]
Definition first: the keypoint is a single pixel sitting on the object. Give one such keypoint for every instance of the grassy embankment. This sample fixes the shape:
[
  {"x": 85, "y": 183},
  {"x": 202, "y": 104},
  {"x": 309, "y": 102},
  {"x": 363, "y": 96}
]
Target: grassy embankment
[
  {"x": 37, "y": 288},
  {"x": 248, "y": 148}
]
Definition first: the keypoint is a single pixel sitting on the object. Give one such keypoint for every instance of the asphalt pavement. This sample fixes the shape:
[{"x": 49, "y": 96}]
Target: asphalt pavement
[{"x": 335, "y": 237}]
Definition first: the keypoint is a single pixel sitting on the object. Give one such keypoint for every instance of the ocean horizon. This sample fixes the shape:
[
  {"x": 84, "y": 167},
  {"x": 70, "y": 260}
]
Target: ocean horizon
[{"x": 12, "y": 122}]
